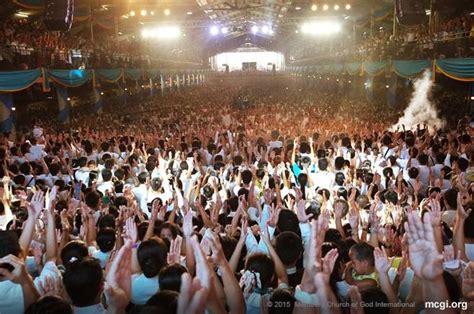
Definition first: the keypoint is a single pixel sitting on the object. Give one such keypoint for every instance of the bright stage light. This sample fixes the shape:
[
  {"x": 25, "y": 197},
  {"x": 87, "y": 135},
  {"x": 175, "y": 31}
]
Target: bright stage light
[
  {"x": 325, "y": 7},
  {"x": 297, "y": 8},
  {"x": 265, "y": 29},
  {"x": 348, "y": 7},
  {"x": 224, "y": 30},
  {"x": 132, "y": 13},
  {"x": 143, "y": 12},
  {"x": 255, "y": 29},
  {"x": 314, "y": 7},
  {"x": 189, "y": 13},
  {"x": 321, "y": 28},
  {"x": 387, "y": 86},
  {"x": 167, "y": 12},
  {"x": 214, "y": 30},
  {"x": 336, "y": 7},
  {"x": 164, "y": 32},
  {"x": 152, "y": 13}
]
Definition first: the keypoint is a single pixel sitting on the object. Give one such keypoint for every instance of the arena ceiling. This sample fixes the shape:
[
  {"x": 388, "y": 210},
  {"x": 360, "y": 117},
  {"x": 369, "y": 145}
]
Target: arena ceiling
[{"x": 196, "y": 17}]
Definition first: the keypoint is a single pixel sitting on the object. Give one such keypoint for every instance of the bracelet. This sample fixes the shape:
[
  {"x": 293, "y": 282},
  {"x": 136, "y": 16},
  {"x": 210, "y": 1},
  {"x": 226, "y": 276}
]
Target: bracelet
[{"x": 135, "y": 246}]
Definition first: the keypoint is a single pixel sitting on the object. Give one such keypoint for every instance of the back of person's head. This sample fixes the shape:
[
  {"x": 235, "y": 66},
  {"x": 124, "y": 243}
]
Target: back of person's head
[
  {"x": 262, "y": 264},
  {"x": 463, "y": 164},
  {"x": 92, "y": 199},
  {"x": 165, "y": 301},
  {"x": 106, "y": 239},
  {"x": 170, "y": 277},
  {"x": 323, "y": 164},
  {"x": 83, "y": 281},
  {"x": 50, "y": 305},
  {"x": 246, "y": 176},
  {"x": 374, "y": 295},
  {"x": 440, "y": 157},
  {"x": 152, "y": 256},
  {"x": 413, "y": 172},
  {"x": 450, "y": 197},
  {"x": 72, "y": 252},
  {"x": 363, "y": 252},
  {"x": 9, "y": 244},
  {"x": 339, "y": 163},
  {"x": 278, "y": 298},
  {"x": 423, "y": 159},
  {"x": 142, "y": 177},
  {"x": 289, "y": 247},
  {"x": 106, "y": 175},
  {"x": 288, "y": 221}
]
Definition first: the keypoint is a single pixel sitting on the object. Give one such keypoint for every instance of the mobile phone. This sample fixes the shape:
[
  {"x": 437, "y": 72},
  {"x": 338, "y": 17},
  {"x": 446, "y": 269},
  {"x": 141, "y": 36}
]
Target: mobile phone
[{"x": 77, "y": 191}]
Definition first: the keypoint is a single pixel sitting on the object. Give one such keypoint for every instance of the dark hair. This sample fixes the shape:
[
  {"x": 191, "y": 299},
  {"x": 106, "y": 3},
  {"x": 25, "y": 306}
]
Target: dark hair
[
  {"x": 288, "y": 221},
  {"x": 246, "y": 176},
  {"x": 50, "y": 305},
  {"x": 170, "y": 277},
  {"x": 289, "y": 247},
  {"x": 413, "y": 172},
  {"x": 106, "y": 239},
  {"x": 451, "y": 196},
  {"x": 73, "y": 250},
  {"x": 164, "y": 301},
  {"x": 423, "y": 159},
  {"x": 364, "y": 252},
  {"x": 106, "y": 175},
  {"x": 262, "y": 264},
  {"x": 151, "y": 256},
  {"x": 323, "y": 164},
  {"x": 83, "y": 281},
  {"x": 9, "y": 244},
  {"x": 92, "y": 199}
]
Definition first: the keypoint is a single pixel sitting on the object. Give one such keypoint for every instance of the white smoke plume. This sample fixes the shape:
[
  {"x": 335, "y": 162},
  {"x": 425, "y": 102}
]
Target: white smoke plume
[{"x": 420, "y": 110}]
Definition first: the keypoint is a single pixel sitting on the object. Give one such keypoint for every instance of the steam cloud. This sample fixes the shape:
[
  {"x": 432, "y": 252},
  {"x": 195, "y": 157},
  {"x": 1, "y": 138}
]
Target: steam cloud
[{"x": 420, "y": 110}]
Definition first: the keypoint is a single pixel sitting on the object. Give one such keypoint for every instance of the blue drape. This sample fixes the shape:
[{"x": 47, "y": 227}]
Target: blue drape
[
  {"x": 375, "y": 68},
  {"x": 14, "y": 81},
  {"x": 457, "y": 69},
  {"x": 109, "y": 76},
  {"x": 70, "y": 78},
  {"x": 410, "y": 68},
  {"x": 133, "y": 74}
]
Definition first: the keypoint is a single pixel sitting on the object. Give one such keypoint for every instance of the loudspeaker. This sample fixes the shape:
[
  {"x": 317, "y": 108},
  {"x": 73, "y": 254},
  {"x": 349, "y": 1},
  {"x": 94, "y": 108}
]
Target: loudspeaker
[
  {"x": 410, "y": 12},
  {"x": 58, "y": 14}
]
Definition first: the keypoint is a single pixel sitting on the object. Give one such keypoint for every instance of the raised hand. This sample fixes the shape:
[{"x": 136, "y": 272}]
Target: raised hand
[
  {"x": 274, "y": 215},
  {"x": 174, "y": 255},
  {"x": 188, "y": 225},
  {"x": 118, "y": 284},
  {"x": 424, "y": 257},
  {"x": 329, "y": 261},
  {"x": 192, "y": 297},
  {"x": 382, "y": 264},
  {"x": 435, "y": 210},
  {"x": 301, "y": 212},
  {"x": 131, "y": 232},
  {"x": 36, "y": 205}
]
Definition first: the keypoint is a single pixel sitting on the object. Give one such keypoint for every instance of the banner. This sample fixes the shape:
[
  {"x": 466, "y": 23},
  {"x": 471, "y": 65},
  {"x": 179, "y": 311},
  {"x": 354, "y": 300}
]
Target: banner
[
  {"x": 13, "y": 81},
  {"x": 64, "y": 105},
  {"x": 8, "y": 116}
]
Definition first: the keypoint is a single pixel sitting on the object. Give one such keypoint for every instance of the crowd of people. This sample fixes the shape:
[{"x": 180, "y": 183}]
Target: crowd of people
[{"x": 294, "y": 202}]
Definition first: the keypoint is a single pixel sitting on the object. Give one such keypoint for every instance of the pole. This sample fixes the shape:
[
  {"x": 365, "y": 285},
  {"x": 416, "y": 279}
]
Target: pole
[
  {"x": 91, "y": 23},
  {"x": 394, "y": 33}
]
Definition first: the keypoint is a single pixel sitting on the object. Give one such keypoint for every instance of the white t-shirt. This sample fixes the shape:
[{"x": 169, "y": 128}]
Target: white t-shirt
[
  {"x": 12, "y": 301},
  {"x": 143, "y": 288},
  {"x": 469, "y": 247}
]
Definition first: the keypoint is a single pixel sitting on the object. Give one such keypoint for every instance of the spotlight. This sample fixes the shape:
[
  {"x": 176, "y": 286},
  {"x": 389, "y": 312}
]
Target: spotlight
[
  {"x": 314, "y": 7},
  {"x": 143, "y": 86},
  {"x": 387, "y": 86},
  {"x": 255, "y": 29},
  {"x": 152, "y": 12},
  {"x": 337, "y": 80},
  {"x": 472, "y": 97},
  {"x": 165, "y": 32},
  {"x": 325, "y": 7},
  {"x": 214, "y": 30},
  {"x": 189, "y": 13},
  {"x": 297, "y": 8},
  {"x": 224, "y": 30},
  {"x": 132, "y": 13},
  {"x": 348, "y": 7},
  {"x": 336, "y": 7},
  {"x": 143, "y": 12},
  {"x": 125, "y": 88},
  {"x": 167, "y": 12},
  {"x": 265, "y": 29},
  {"x": 68, "y": 99},
  {"x": 13, "y": 108},
  {"x": 102, "y": 93},
  {"x": 349, "y": 82}
]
